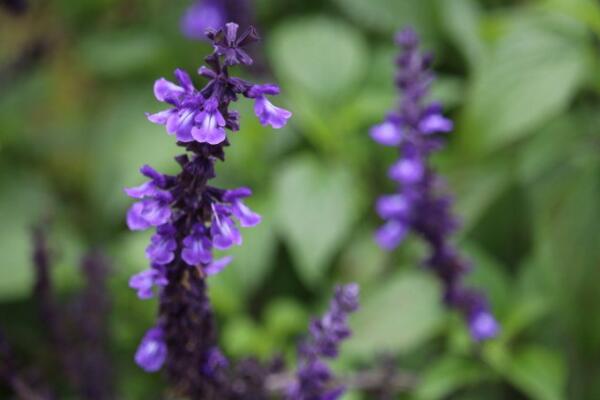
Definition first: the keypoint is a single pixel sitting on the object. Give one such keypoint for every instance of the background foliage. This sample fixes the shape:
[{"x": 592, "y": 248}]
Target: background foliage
[{"x": 522, "y": 80}]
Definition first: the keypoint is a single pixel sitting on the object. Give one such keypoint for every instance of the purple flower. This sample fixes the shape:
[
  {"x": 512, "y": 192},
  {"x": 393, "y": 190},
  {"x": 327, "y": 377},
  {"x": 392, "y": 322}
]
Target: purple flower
[
  {"x": 387, "y": 133},
  {"x": 217, "y": 266},
  {"x": 483, "y": 325},
  {"x": 224, "y": 232},
  {"x": 144, "y": 281},
  {"x": 186, "y": 102},
  {"x": 197, "y": 247},
  {"x": 210, "y": 128},
  {"x": 266, "y": 112},
  {"x": 201, "y": 16},
  {"x": 228, "y": 45},
  {"x": 418, "y": 206},
  {"x": 326, "y": 334},
  {"x": 152, "y": 351},
  {"x": 161, "y": 250},
  {"x": 153, "y": 211},
  {"x": 242, "y": 212},
  {"x": 391, "y": 234}
]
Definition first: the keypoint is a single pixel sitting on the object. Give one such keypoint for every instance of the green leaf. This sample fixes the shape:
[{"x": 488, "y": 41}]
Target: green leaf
[
  {"x": 120, "y": 53},
  {"x": 531, "y": 76},
  {"x": 25, "y": 199},
  {"x": 389, "y": 16},
  {"x": 124, "y": 140},
  {"x": 447, "y": 375},
  {"x": 538, "y": 372},
  {"x": 461, "y": 22},
  {"x": 397, "y": 317},
  {"x": 322, "y": 56},
  {"x": 315, "y": 205}
]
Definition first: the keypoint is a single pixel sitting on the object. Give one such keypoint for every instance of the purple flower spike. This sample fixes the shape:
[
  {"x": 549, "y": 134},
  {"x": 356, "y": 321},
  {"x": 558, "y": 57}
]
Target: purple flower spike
[
  {"x": 266, "y": 112},
  {"x": 418, "y": 206},
  {"x": 326, "y": 334},
  {"x": 144, "y": 281},
  {"x": 197, "y": 247},
  {"x": 161, "y": 250},
  {"x": 387, "y": 134},
  {"x": 152, "y": 351},
  {"x": 193, "y": 218},
  {"x": 210, "y": 128}
]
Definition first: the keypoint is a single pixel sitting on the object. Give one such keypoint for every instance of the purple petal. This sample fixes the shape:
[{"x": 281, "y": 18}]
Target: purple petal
[
  {"x": 184, "y": 79},
  {"x": 435, "y": 123},
  {"x": 482, "y": 326},
  {"x": 146, "y": 189},
  {"x": 391, "y": 234},
  {"x": 217, "y": 266},
  {"x": 143, "y": 283},
  {"x": 244, "y": 214},
  {"x": 407, "y": 171},
  {"x": 209, "y": 130},
  {"x": 261, "y": 90},
  {"x": 237, "y": 193},
  {"x": 165, "y": 90},
  {"x": 161, "y": 117},
  {"x": 152, "y": 351},
  {"x": 225, "y": 233},
  {"x": 161, "y": 250},
  {"x": 392, "y": 206},
  {"x": 268, "y": 114},
  {"x": 196, "y": 250},
  {"x": 387, "y": 134},
  {"x": 135, "y": 220},
  {"x": 181, "y": 124}
]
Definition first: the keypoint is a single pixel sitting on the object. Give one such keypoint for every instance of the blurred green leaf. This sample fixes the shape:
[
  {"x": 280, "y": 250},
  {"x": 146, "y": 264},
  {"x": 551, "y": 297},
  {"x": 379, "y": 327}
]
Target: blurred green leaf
[
  {"x": 389, "y": 16},
  {"x": 516, "y": 89},
  {"x": 403, "y": 313},
  {"x": 538, "y": 372},
  {"x": 285, "y": 317},
  {"x": 315, "y": 205},
  {"x": 324, "y": 57},
  {"x": 115, "y": 54},
  {"x": 123, "y": 141},
  {"x": 461, "y": 21},
  {"x": 447, "y": 375},
  {"x": 587, "y": 11}
]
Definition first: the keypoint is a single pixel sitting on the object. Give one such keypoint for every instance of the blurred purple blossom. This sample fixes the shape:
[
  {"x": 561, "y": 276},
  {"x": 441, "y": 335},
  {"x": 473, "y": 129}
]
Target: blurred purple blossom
[{"x": 418, "y": 206}]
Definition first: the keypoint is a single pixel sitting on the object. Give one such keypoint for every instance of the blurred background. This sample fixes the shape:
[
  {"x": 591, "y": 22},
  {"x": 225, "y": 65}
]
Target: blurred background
[{"x": 522, "y": 81}]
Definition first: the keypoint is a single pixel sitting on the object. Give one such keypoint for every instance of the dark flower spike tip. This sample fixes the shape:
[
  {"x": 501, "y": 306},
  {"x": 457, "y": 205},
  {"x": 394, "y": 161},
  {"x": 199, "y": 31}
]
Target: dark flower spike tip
[
  {"x": 415, "y": 129},
  {"x": 203, "y": 116}
]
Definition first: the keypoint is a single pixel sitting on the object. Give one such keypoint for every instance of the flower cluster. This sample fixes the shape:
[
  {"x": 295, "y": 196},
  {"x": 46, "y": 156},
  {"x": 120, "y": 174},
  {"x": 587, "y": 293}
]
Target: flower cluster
[
  {"x": 314, "y": 378},
  {"x": 192, "y": 218},
  {"x": 417, "y": 206}
]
